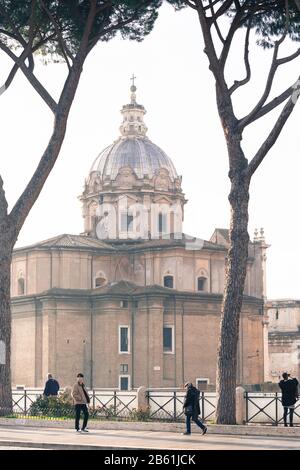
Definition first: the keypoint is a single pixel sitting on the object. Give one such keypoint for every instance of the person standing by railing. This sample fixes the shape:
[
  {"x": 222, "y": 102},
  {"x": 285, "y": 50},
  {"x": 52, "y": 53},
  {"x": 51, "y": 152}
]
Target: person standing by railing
[
  {"x": 81, "y": 400},
  {"x": 51, "y": 387},
  {"x": 191, "y": 408},
  {"x": 289, "y": 388}
]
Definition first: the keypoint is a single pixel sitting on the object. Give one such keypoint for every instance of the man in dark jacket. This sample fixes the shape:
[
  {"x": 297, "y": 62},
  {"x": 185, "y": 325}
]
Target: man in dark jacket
[
  {"x": 51, "y": 387},
  {"x": 191, "y": 408},
  {"x": 289, "y": 388}
]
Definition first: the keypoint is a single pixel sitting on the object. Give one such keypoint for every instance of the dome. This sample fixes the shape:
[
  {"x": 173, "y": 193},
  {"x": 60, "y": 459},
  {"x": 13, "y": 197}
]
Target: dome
[
  {"x": 133, "y": 189},
  {"x": 136, "y": 152},
  {"x": 133, "y": 148}
]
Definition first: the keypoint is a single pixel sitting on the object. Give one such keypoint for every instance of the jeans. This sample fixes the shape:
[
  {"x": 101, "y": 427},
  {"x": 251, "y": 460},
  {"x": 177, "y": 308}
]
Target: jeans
[
  {"x": 188, "y": 419},
  {"x": 285, "y": 413},
  {"x": 78, "y": 409}
]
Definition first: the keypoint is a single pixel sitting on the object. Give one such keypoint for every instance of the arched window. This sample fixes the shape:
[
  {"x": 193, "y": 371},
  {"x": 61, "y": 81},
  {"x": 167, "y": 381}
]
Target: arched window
[
  {"x": 169, "y": 281},
  {"x": 21, "y": 286},
  {"x": 201, "y": 283}
]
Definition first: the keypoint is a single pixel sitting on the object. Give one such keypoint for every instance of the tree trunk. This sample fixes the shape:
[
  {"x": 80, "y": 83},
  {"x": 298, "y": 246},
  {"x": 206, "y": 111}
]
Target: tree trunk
[
  {"x": 236, "y": 269},
  {"x": 5, "y": 326},
  {"x": 11, "y": 224}
]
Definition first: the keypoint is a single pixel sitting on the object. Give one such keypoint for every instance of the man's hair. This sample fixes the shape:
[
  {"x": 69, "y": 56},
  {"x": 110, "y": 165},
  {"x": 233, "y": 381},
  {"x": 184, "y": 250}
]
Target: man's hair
[
  {"x": 80, "y": 375},
  {"x": 49, "y": 376},
  {"x": 285, "y": 375},
  {"x": 187, "y": 384}
]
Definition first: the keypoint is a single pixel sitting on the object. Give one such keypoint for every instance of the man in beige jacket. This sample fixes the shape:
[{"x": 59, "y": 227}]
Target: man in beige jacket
[{"x": 81, "y": 400}]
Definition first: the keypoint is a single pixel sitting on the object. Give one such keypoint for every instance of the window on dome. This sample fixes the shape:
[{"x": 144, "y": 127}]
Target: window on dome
[
  {"x": 162, "y": 223},
  {"x": 126, "y": 222}
]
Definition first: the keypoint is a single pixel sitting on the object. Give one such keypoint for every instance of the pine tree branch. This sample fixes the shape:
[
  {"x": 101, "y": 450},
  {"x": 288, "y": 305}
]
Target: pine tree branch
[
  {"x": 63, "y": 46},
  {"x": 275, "y": 132},
  {"x": 215, "y": 22},
  {"x": 272, "y": 71},
  {"x": 3, "y": 202},
  {"x": 44, "y": 94},
  {"x": 239, "y": 83},
  {"x": 278, "y": 100},
  {"x": 16, "y": 66},
  {"x": 30, "y": 194}
]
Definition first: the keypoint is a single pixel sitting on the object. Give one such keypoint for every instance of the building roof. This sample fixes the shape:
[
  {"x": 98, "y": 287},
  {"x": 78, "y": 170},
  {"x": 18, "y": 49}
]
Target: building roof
[
  {"x": 186, "y": 241},
  {"x": 82, "y": 242},
  {"x": 69, "y": 241},
  {"x": 224, "y": 232}
]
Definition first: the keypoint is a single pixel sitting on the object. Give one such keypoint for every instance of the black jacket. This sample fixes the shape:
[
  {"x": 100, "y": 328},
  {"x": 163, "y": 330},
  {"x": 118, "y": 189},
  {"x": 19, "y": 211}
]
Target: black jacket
[
  {"x": 51, "y": 387},
  {"x": 192, "y": 399},
  {"x": 289, "y": 390}
]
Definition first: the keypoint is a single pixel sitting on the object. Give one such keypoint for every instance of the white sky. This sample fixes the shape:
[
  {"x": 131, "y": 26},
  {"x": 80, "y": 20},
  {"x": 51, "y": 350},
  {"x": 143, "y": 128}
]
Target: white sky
[{"x": 177, "y": 89}]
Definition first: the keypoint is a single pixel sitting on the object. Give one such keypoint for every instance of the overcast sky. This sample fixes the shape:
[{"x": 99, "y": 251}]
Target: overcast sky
[{"x": 177, "y": 89}]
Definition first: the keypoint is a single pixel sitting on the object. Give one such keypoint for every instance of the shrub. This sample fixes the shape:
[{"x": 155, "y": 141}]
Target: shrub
[
  {"x": 52, "y": 406},
  {"x": 140, "y": 415}
]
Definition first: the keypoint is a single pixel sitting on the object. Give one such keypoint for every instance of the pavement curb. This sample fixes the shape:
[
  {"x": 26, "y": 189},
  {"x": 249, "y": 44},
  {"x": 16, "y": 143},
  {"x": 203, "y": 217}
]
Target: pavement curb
[{"x": 55, "y": 446}]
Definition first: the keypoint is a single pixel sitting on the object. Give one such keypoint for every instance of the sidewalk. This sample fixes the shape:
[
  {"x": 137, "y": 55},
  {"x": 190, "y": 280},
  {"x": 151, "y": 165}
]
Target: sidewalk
[
  {"x": 67, "y": 439},
  {"x": 148, "y": 426}
]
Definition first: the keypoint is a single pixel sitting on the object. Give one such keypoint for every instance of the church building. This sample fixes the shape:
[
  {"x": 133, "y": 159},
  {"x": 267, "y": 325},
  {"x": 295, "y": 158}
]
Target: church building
[{"x": 132, "y": 300}]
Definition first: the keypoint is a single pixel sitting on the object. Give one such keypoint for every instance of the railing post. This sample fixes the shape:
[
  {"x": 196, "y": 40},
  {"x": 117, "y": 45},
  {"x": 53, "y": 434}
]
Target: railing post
[
  {"x": 115, "y": 403},
  {"x": 143, "y": 399},
  {"x": 203, "y": 405},
  {"x": 175, "y": 408},
  {"x": 94, "y": 401},
  {"x": 247, "y": 409},
  {"x": 25, "y": 402},
  {"x": 240, "y": 405},
  {"x": 276, "y": 409}
]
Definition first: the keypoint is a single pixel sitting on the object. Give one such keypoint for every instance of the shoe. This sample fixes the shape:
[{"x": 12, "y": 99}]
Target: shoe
[
  {"x": 78, "y": 430},
  {"x": 291, "y": 425},
  {"x": 186, "y": 433},
  {"x": 84, "y": 430},
  {"x": 204, "y": 431}
]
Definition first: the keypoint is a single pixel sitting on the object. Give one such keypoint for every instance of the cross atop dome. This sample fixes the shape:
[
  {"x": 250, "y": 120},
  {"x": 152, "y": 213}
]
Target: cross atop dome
[
  {"x": 133, "y": 89},
  {"x": 132, "y": 79},
  {"x": 133, "y": 115}
]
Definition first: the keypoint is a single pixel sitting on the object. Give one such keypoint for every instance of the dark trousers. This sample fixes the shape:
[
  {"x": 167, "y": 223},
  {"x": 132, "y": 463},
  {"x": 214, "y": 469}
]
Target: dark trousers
[
  {"x": 78, "y": 410},
  {"x": 286, "y": 409},
  {"x": 196, "y": 420}
]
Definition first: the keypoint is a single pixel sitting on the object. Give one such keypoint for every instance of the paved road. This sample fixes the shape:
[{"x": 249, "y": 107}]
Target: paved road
[{"x": 116, "y": 439}]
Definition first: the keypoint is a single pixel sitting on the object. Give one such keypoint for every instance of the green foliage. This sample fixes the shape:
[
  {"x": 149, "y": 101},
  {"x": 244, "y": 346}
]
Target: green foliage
[
  {"x": 58, "y": 21},
  {"x": 140, "y": 415},
  {"x": 52, "y": 406},
  {"x": 269, "y": 18}
]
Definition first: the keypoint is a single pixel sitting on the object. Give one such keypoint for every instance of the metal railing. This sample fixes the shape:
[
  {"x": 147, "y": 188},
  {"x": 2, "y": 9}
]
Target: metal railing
[
  {"x": 103, "y": 404},
  {"x": 163, "y": 405},
  {"x": 266, "y": 408},
  {"x": 168, "y": 406}
]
